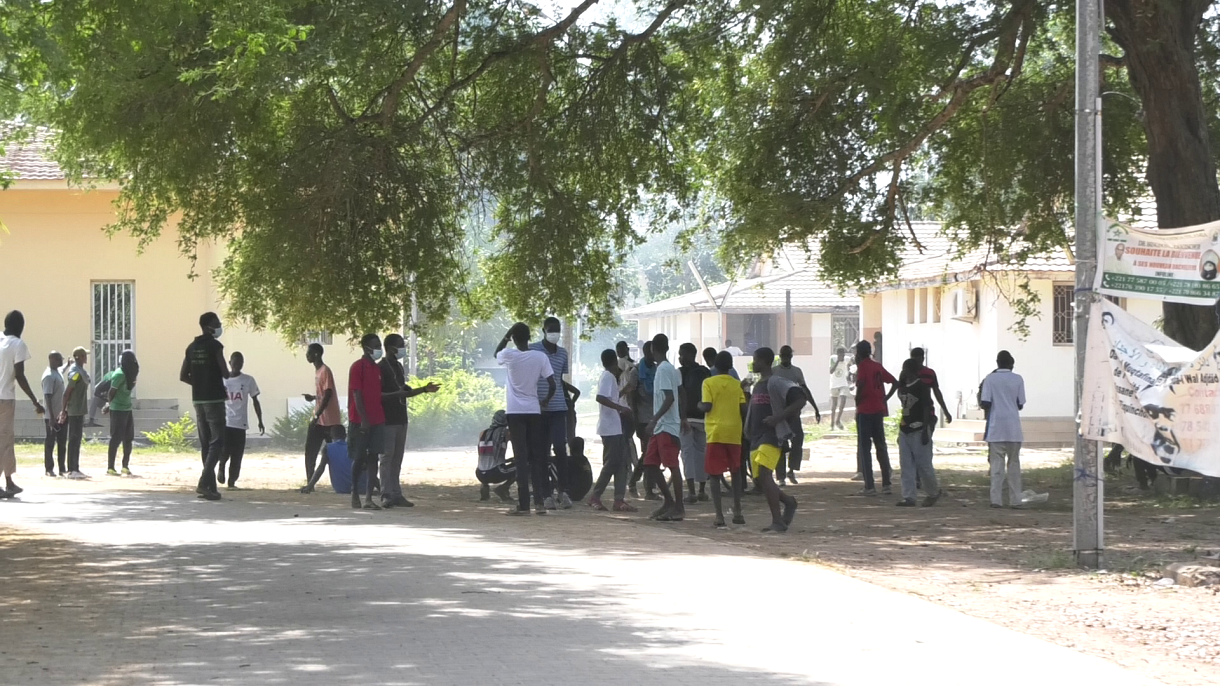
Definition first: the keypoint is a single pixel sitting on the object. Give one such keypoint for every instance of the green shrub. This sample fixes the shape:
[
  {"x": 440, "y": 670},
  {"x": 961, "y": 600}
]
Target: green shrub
[
  {"x": 290, "y": 430},
  {"x": 456, "y": 413},
  {"x": 175, "y": 437}
]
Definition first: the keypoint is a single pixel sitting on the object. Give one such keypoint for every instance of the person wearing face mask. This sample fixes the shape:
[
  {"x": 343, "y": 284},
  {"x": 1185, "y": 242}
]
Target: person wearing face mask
[
  {"x": 205, "y": 370},
  {"x": 365, "y": 417},
  {"x": 555, "y": 412},
  {"x": 394, "y": 394}
]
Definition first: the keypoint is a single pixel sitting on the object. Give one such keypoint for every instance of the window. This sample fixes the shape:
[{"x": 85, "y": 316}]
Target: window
[
  {"x": 910, "y": 306},
  {"x": 923, "y": 305},
  {"x": 320, "y": 337},
  {"x": 1062, "y": 313},
  {"x": 844, "y": 331},
  {"x": 113, "y": 324},
  {"x": 937, "y": 296}
]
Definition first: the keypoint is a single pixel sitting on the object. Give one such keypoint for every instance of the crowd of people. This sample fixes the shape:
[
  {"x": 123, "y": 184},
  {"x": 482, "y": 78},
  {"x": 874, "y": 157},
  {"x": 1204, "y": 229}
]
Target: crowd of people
[{"x": 699, "y": 422}]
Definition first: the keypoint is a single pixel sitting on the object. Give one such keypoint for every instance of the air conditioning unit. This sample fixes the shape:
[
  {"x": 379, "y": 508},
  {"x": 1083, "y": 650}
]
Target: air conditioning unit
[{"x": 965, "y": 304}]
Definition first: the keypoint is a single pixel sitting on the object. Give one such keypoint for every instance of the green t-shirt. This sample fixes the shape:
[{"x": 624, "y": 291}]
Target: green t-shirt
[
  {"x": 122, "y": 393},
  {"x": 78, "y": 384}
]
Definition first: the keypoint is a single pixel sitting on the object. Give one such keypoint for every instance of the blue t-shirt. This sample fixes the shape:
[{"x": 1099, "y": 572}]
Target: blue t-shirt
[
  {"x": 559, "y": 365},
  {"x": 647, "y": 371}
]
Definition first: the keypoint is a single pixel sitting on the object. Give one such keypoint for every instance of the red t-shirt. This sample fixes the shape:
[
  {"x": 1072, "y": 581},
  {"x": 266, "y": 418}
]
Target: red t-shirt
[
  {"x": 366, "y": 378},
  {"x": 870, "y": 387}
]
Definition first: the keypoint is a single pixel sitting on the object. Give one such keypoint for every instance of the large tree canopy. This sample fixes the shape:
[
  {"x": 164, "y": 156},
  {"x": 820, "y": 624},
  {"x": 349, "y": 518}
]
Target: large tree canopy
[{"x": 343, "y": 147}]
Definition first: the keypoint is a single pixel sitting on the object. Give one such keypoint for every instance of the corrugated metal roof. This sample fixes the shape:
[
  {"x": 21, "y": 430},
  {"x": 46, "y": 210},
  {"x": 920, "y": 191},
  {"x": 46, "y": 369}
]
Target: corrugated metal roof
[{"x": 28, "y": 158}]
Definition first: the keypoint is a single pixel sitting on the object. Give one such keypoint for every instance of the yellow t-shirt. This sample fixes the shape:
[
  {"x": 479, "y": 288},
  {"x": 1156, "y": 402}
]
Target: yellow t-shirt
[{"x": 724, "y": 421}]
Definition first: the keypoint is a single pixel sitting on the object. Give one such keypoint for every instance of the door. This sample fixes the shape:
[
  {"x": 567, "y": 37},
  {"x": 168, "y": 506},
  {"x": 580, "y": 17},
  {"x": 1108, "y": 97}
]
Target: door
[{"x": 113, "y": 324}]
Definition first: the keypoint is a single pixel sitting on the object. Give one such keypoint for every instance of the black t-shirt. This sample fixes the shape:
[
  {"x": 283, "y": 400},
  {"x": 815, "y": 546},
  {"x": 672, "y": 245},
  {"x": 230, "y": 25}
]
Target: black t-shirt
[
  {"x": 207, "y": 379},
  {"x": 393, "y": 379},
  {"x": 917, "y": 413},
  {"x": 693, "y": 377}
]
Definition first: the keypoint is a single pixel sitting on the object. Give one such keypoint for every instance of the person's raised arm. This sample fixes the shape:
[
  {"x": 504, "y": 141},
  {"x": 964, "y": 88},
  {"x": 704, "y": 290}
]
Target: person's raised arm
[{"x": 503, "y": 343}]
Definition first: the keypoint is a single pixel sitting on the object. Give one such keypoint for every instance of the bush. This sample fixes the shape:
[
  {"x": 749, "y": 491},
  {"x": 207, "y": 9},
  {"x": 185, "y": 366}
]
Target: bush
[
  {"x": 175, "y": 437},
  {"x": 290, "y": 430},
  {"x": 456, "y": 413}
]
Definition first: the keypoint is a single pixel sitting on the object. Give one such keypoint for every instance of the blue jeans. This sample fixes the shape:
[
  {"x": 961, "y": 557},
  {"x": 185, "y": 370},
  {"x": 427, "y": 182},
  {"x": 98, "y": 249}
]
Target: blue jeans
[
  {"x": 870, "y": 431},
  {"x": 211, "y": 420}
]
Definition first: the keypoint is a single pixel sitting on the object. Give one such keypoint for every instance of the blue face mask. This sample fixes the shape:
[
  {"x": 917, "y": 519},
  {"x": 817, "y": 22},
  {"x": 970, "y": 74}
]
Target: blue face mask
[
  {"x": 400, "y": 354},
  {"x": 375, "y": 353}
]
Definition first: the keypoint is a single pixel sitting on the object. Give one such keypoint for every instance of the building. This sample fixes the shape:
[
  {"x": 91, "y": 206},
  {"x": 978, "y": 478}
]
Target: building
[
  {"x": 782, "y": 301},
  {"x": 78, "y": 286},
  {"x": 964, "y": 309}
]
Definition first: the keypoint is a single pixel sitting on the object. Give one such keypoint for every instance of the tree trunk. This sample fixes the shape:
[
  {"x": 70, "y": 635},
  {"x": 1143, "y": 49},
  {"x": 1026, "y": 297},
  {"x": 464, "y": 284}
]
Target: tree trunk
[{"x": 1158, "y": 41}]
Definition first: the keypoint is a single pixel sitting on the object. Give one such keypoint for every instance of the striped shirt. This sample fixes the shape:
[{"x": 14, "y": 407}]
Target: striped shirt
[{"x": 559, "y": 365}]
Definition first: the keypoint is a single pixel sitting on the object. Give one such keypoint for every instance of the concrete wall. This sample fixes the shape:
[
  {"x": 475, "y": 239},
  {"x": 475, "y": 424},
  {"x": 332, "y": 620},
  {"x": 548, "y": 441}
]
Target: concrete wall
[{"x": 56, "y": 248}]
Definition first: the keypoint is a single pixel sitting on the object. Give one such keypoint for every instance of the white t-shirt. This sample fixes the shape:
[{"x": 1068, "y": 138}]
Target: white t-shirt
[
  {"x": 1005, "y": 391},
  {"x": 667, "y": 378},
  {"x": 12, "y": 351},
  {"x": 525, "y": 369},
  {"x": 240, "y": 389},
  {"x": 838, "y": 377},
  {"x": 609, "y": 421}
]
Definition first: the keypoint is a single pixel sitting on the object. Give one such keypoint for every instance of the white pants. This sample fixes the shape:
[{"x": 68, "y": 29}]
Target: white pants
[{"x": 997, "y": 455}]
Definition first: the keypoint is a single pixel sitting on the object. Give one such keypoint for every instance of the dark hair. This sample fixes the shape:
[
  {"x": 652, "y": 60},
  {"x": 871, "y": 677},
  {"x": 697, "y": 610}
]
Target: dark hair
[
  {"x": 688, "y": 349},
  {"x": 660, "y": 343},
  {"x": 520, "y": 333},
  {"x": 131, "y": 367},
  {"x": 917, "y": 353},
  {"x": 338, "y": 432},
  {"x": 395, "y": 341},
  {"x": 609, "y": 359},
  {"x": 764, "y": 354},
  {"x": 727, "y": 343},
  {"x": 207, "y": 318},
  {"x": 14, "y": 323},
  {"x": 709, "y": 356},
  {"x": 369, "y": 340},
  {"x": 1004, "y": 360},
  {"x": 785, "y": 350},
  {"x": 546, "y": 323},
  {"x": 237, "y": 354},
  {"x": 622, "y": 348},
  {"x": 724, "y": 361},
  {"x": 909, "y": 366},
  {"x": 646, "y": 348},
  {"x": 576, "y": 446},
  {"x": 864, "y": 349},
  {"x": 316, "y": 348},
  {"x": 841, "y": 350}
]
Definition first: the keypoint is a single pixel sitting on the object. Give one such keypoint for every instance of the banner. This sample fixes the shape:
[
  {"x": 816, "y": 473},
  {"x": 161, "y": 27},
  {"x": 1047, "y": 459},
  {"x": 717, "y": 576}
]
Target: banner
[
  {"x": 1152, "y": 395},
  {"x": 1178, "y": 265}
]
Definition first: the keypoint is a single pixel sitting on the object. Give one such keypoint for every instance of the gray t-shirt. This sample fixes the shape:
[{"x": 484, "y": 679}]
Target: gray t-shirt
[
  {"x": 770, "y": 397},
  {"x": 53, "y": 385}
]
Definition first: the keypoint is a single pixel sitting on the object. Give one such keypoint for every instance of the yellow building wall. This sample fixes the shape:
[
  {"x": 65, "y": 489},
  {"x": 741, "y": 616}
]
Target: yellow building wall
[{"x": 56, "y": 248}]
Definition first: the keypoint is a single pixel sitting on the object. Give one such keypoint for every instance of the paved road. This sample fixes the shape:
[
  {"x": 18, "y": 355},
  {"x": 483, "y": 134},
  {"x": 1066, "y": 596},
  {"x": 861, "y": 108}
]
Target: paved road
[{"x": 147, "y": 588}]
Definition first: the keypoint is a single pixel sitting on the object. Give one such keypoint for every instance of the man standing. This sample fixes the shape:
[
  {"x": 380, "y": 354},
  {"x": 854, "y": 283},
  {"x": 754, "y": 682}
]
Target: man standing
[
  {"x": 612, "y": 415},
  {"x": 205, "y": 370},
  {"x": 666, "y": 428},
  {"x": 365, "y": 418},
  {"x": 928, "y": 376},
  {"x": 638, "y": 389},
  {"x": 75, "y": 407},
  {"x": 840, "y": 385},
  {"x": 394, "y": 394},
  {"x": 326, "y": 415},
  {"x": 241, "y": 389},
  {"x": 722, "y": 400},
  {"x": 525, "y": 426},
  {"x": 773, "y": 403},
  {"x": 555, "y": 413},
  {"x": 623, "y": 351},
  {"x": 793, "y": 448},
  {"x": 915, "y": 436},
  {"x": 694, "y": 442},
  {"x": 1003, "y": 398},
  {"x": 53, "y": 396},
  {"x": 871, "y": 411},
  {"x": 732, "y": 349},
  {"x": 13, "y": 355}
]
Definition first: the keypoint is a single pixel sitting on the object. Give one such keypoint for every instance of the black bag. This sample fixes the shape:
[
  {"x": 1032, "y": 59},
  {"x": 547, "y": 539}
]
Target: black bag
[
  {"x": 101, "y": 390},
  {"x": 581, "y": 477}
]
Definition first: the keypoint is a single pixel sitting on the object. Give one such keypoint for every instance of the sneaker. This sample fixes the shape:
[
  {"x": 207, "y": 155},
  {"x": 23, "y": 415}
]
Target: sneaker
[
  {"x": 906, "y": 502},
  {"x": 549, "y": 503},
  {"x": 870, "y": 492},
  {"x": 387, "y": 503},
  {"x": 931, "y": 500},
  {"x": 518, "y": 512},
  {"x": 996, "y": 506},
  {"x": 782, "y": 482},
  {"x": 886, "y": 490},
  {"x": 484, "y": 493},
  {"x": 111, "y": 472},
  {"x": 792, "y": 477},
  {"x": 125, "y": 471},
  {"x": 691, "y": 499},
  {"x": 564, "y": 501},
  {"x": 220, "y": 476},
  {"x": 539, "y": 509},
  {"x": 14, "y": 489},
  {"x": 502, "y": 492},
  {"x": 4, "y": 495},
  {"x": 401, "y": 501},
  {"x": 739, "y": 519},
  {"x": 211, "y": 495},
  {"x": 650, "y": 495},
  {"x": 51, "y": 475},
  {"x": 77, "y": 475},
  {"x": 703, "y": 497},
  {"x": 622, "y": 506},
  {"x": 858, "y": 477}
]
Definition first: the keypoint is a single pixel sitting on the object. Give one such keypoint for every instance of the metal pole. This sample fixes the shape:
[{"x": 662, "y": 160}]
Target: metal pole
[
  {"x": 1086, "y": 491},
  {"x": 788, "y": 318},
  {"x": 413, "y": 340}
]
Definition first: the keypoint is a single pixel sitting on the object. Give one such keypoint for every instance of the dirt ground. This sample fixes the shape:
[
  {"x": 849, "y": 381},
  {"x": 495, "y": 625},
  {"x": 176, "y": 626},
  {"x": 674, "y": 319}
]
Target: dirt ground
[{"x": 1012, "y": 567}]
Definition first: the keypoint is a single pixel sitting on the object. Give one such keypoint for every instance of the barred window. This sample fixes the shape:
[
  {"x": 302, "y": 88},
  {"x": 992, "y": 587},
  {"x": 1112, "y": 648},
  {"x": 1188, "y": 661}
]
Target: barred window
[
  {"x": 322, "y": 337},
  {"x": 1063, "y": 313}
]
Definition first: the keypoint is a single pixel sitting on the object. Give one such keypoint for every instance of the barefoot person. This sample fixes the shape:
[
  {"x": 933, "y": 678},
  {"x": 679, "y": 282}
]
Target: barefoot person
[
  {"x": 612, "y": 416},
  {"x": 666, "y": 428},
  {"x": 118, "y": 406},
  {"x": 53, "y": 396},
  {"x": 242, "y": 389},
  {"x": 394, "y": 395},
  {"x": 773, "y": 403},
  {"x": 527, "y": 433},
  {"x": 204, "y": 368},
  {"x": 365, "y": 418},
  {"x": 326, "y": 415},
  {"x": 723, "y": 402},
  {"x": 13, "y": 356}
]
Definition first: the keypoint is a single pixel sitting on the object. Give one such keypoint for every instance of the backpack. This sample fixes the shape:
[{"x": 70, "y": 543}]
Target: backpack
[
  {"x": 101, "y": 390},
  {"x": 493, "y": 442},
  {"x": 580, "y": 480}
]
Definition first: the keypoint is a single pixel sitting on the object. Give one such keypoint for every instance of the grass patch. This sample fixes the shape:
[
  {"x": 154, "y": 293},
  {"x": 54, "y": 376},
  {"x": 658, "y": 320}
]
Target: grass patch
[
  {"x": 1058, "y": 476},
  {"x": 1056, "y": 559},
  {"x": 1182, "y": 502}
]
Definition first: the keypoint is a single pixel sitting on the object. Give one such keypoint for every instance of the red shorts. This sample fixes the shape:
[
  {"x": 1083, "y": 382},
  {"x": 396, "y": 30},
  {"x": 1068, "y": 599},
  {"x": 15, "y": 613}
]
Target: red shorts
[
  {"x": 722, "y": 457},
  {"x": 663, "y": 450}
]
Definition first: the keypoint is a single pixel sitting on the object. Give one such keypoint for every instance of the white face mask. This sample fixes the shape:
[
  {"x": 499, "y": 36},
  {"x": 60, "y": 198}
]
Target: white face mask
[
  {"x": 400, "y": 354},
  {"x": 218, "y": 331},
  {"x": 552, "y": 337},
  {"x": 375, "y": 354}
]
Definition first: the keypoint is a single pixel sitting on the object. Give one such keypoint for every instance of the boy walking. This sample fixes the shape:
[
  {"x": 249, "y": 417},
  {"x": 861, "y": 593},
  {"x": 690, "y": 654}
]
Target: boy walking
[
  {"x": 1003, "y": 398},
  {"x": 722, "y": 404},
  {"x": 241, "y": 389},
  {"x": 666, "y": 428},
  {"x": 773, "y": 403},
  {"x": 204, "y": 368},
  {"x": 612, "y": 416}
]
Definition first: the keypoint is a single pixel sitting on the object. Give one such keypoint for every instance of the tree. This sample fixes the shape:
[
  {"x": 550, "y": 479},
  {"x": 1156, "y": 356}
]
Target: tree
[{"x": 355, "y": 134}]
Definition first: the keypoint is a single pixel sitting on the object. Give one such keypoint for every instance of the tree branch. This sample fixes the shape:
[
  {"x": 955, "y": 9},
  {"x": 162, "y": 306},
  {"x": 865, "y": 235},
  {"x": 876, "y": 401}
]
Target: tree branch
[{"x": 389, "y": 104}]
